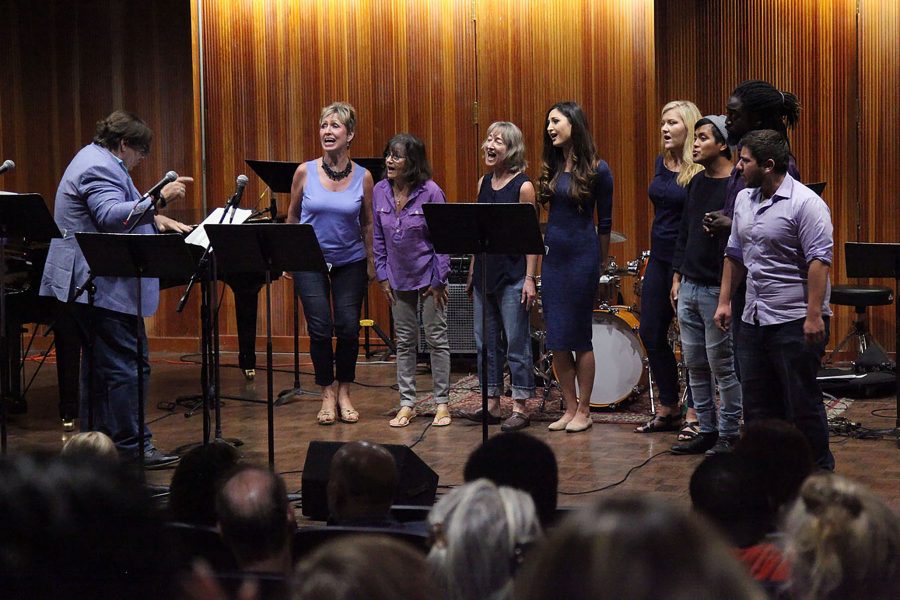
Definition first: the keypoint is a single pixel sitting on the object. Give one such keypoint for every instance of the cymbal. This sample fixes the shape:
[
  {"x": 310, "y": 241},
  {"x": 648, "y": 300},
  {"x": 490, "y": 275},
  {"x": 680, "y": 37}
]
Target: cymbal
[{"x": 615, "y": 237}]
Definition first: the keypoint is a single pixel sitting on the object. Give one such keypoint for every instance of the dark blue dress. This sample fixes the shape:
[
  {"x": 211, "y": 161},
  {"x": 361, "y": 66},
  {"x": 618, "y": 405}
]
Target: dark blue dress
[{"x": 571, "y": 268}]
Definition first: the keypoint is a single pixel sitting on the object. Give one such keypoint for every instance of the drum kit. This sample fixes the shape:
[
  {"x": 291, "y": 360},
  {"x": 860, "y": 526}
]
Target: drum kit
[{"x": 621, "y": 367}]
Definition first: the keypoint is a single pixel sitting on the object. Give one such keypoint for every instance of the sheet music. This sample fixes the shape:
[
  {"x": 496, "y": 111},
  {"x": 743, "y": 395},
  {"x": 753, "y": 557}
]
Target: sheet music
[{"x": 198, "y": 236}]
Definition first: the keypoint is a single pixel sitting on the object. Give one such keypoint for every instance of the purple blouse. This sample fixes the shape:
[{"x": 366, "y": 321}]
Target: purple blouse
[
  {"x": 404, "y": 254},
  {"x": 776, "y": 239}
]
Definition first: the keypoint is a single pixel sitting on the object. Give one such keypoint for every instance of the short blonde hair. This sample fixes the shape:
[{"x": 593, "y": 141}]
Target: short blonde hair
[
  {"x": 344, "y": 112},
  {"x": 689, "y": 115},
  {"x": 515, "y": 144},
  {"x": 94, "y": 444}
]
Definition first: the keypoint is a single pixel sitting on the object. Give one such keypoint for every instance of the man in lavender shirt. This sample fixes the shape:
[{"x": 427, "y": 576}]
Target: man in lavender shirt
[{"x": 781, "y": 239}]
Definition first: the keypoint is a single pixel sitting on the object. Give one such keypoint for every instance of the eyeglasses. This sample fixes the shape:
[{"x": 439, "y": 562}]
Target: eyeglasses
[{"x": 394, "y": 157}]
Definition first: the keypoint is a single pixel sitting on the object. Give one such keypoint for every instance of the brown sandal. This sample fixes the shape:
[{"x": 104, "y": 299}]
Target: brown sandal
[
  {"x": 404, "y": 416},
  {"x": 660, "y": 423}
]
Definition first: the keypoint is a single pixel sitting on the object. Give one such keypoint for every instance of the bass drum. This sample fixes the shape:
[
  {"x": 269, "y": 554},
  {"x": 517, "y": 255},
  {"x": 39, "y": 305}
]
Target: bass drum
[{"x": 619, "y": 356}]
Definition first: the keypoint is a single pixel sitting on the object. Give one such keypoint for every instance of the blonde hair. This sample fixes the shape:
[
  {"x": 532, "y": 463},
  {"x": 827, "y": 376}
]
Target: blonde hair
[
  {"x": 344, "y": 112},
  {"x": 515, "y": 144},
  {"x": 95, "y": 444},
  {"x": 842, "y": 541},
  {"x": 689, "y": 115}
]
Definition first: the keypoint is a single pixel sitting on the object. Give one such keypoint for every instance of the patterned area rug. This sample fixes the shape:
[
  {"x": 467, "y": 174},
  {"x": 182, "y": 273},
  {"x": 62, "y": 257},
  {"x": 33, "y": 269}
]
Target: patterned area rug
[{"x": 465, "y": 395}]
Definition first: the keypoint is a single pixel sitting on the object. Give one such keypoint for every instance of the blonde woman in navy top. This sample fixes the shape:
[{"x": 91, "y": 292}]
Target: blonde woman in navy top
[
  {"x": 668, "y": 192},
  {"x": 334, "y": 195}
]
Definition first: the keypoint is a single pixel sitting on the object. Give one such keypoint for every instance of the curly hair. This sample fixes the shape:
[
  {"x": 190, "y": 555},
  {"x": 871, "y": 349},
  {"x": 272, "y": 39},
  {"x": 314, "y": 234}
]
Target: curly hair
[{"x": 584, "y": 156}]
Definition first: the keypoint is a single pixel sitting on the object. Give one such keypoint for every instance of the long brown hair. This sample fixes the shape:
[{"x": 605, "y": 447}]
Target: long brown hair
[{"x": 584, "y": 155}]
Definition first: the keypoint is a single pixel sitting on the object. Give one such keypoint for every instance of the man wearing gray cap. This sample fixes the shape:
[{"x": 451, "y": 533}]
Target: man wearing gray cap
[{"x": 696, "y": 284}]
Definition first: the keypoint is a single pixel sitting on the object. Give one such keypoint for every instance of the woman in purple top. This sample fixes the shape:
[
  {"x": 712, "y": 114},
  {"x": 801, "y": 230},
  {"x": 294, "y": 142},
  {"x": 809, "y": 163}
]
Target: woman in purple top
[
  {"x": 334, "y": 195},
  {"x": 409, "y": 269},
  {"x": 668, "y": 192}
]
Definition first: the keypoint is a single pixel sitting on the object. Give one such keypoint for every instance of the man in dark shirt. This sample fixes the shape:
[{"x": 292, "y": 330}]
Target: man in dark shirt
[{"x": 696, "y": 284}]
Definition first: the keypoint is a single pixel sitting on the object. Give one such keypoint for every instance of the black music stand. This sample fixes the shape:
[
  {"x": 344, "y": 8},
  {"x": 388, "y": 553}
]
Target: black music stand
[
  {"x": 279, "y": 176},
  {"x": 139, "y": 256},
  {"x": 267, "y": 248},
  {"x": 484, "y": 229},
  {"x": 22, "y": 217},
  {"x": 865, "y": 259}
]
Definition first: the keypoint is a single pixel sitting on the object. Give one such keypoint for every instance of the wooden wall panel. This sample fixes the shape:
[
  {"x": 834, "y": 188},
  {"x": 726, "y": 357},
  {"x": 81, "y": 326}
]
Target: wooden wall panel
[
  {"x": 269, "y": 67},
  {"x": 531, "y": 54},
  {"x": 67, "y": 65},
  {"x": 879, "y": 139},
  {"x": 705, "y": 48}
]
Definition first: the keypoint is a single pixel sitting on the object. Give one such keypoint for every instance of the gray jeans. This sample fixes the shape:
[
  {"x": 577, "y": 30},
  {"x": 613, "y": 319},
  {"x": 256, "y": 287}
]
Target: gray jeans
[{"x": 406, "y": 329}]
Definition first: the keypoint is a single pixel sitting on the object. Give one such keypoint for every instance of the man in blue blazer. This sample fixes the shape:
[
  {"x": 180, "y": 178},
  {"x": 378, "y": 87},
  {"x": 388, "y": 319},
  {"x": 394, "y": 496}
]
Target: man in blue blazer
[{"x": 97, "y": 194}]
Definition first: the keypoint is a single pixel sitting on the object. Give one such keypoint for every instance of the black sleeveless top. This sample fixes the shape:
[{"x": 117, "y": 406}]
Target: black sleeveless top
[{"x": 502, "y": 269}]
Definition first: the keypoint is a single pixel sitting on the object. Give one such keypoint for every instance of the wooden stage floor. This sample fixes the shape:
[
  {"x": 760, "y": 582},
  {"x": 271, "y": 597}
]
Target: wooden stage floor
[{"x": 597, "y": 458}]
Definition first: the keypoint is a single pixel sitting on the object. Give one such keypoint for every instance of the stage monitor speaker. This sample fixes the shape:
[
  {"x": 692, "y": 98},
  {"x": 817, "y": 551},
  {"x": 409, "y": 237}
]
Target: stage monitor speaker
[{"x": 416, "y": 483}]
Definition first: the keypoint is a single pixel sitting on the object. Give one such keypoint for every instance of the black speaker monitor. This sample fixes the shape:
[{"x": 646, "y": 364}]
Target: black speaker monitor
[{"x": 416, "y": 484}]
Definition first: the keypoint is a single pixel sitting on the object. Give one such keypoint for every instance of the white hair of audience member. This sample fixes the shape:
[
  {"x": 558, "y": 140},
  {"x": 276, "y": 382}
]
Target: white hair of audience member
[
  {"x": 843, "y": 542},
  {"x": 480, "y": 533}
]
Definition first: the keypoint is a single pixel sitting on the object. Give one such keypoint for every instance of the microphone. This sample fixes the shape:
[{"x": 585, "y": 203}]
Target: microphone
[
  {"x": 154, "y": 191},
  {"x": 235, "y": 201},
  {"x": 7, "y": 165}
]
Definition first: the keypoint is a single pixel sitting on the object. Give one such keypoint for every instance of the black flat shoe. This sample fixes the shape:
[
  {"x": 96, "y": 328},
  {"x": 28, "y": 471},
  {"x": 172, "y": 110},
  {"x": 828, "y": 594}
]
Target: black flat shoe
[
  {"x": 700, "y": 444},
  {"x": 154, "y": 458},
  {"x": 660, "y": 423},
  {"x": 476, "y": 416},
  {"x": 516, "y": 422}
]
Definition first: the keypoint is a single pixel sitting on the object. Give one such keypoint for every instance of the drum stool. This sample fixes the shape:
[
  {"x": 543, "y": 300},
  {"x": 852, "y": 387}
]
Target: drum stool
[{"x": 870, "y": 356}]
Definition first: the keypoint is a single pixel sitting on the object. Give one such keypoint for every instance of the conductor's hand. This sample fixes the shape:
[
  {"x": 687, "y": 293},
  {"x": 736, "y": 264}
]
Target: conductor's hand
[
  {"x": 441, "y": 295},
  {"x": 388, "y": 292},
  {"x": 166, "y": 225},
  {"x": 176, "y": 189}
]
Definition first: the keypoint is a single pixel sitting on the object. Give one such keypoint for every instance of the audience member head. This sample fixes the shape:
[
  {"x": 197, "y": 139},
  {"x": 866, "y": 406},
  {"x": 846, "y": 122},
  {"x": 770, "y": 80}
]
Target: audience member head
[
  {"x": 843, "y": 541},
  {"x": 78, "y": 527},
  {"x": 634, "y": 548},
  {"x": 520, "y": 461},
  {"x": 365, "y": 567},
  {"x": 480, "y": 534},
  {"x": 408, "y": 166},
  {"x": 756, "y": 104},
  {"x": 731, "y": 492},
  {"x": 123, "y": 126},
  {"x": 192, "y": 495},
  {"x": 780, "y": 451},
  {"x": 361, "y": 482},
  {"x": 256, "y": 520},
  {"x": 95, "y": 444}
]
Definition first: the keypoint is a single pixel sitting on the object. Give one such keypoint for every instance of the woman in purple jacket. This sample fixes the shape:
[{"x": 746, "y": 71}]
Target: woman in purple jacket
[{"x": 409, "y": 269}]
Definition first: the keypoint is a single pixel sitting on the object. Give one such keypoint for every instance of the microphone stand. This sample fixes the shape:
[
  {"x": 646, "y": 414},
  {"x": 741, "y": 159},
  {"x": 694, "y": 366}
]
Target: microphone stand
[{"x": 209, "y": 336}]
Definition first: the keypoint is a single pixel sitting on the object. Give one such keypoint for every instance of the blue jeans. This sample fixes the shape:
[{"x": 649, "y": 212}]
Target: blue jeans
[
  {"x": 778, "y": 378},
  {"x": 343, "y": 288},
  {"x": 707, "y": 352},
  {"x": 656, "y": 317},
  {"x": 506, "y": 315},
  {"x": 112, "y": 369}
]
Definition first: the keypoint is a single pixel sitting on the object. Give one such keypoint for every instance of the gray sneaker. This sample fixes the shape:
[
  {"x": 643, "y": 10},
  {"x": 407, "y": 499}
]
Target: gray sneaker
[{"x": 723, "y": 445}]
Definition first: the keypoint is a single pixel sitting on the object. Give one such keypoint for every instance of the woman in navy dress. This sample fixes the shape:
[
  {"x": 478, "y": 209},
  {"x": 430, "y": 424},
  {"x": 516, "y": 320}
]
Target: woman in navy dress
[{"x": 573, "y": 182}]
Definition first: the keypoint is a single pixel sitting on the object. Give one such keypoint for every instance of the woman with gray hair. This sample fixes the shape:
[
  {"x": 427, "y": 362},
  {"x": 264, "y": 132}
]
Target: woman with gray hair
[
  {"x": 479, "y": 536},
  {"x": 509, "y": 283},
  {"x": 843, "y": 542}
]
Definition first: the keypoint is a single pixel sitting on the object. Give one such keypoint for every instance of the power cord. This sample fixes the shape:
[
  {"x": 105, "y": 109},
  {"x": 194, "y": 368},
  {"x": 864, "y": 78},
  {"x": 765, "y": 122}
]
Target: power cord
[{"x": 617, "y": 483}]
